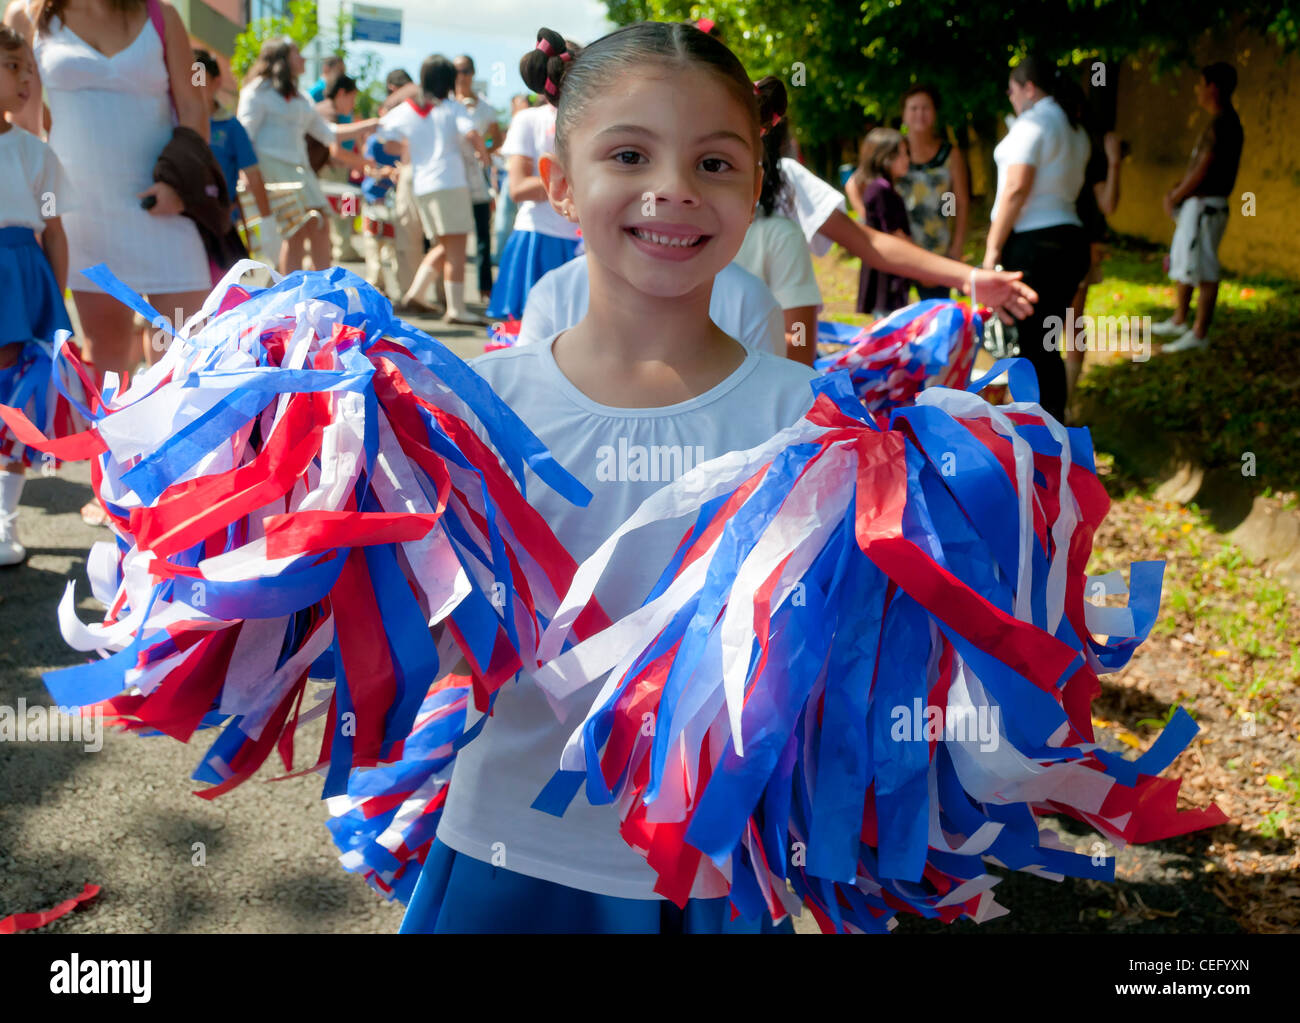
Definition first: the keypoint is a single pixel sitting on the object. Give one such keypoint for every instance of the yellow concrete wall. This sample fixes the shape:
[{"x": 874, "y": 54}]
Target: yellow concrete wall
[{"x": 1160, "y": 119}]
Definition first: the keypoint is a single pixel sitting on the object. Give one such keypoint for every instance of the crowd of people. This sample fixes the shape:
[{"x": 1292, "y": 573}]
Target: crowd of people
[{"x": 1058, "y": 178}]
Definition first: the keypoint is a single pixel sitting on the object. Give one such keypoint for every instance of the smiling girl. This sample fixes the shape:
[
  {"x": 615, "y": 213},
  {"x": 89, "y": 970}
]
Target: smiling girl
[{"x": 657, "y": 156}]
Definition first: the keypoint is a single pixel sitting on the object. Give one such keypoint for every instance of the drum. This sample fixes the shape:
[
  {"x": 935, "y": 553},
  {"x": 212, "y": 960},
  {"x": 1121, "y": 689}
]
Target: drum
[{"x": 288, "y": 206}]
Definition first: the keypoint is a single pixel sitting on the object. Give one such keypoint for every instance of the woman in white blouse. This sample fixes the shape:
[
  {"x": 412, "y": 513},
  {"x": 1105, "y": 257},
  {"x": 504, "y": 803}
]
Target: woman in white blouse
[
  {"x": 278, "y": 118},
  {"x": 1036, "y": 227}
]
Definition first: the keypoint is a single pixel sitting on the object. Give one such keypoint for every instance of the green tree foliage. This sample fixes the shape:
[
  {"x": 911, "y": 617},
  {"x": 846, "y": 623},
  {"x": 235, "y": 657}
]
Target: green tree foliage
[
  {"x": 300, "y": 26},
  {"x": 857, "y": 57}
]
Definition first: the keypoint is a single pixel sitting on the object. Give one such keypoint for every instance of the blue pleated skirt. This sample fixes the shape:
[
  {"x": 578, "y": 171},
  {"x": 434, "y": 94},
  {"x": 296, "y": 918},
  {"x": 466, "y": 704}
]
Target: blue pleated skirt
[
  {"x": 457, "y": 894},
  {"x": 31, "y": 305},
  {"x": 527, "y": 256}
]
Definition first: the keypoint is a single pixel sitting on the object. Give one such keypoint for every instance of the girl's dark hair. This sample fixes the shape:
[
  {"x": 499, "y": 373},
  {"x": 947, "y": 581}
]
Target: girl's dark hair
[
  {"x": 879, "y": 149},
  {"x": 11, "y": 40},
  {"x": 437, "y": 77},
  {"x": 396, "y": 79},
  {"x": 54, "y": 9},
  {"x": 776, "y": 135},
  {"x": 272, "y": 65},
  {"x": 569, "y": 77},
  {"x": 1048, "y": 78}
]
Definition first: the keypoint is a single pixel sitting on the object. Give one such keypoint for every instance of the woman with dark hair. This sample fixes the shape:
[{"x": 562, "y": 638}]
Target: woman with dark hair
[
  {"x": 1036, "y": 227},
  {"x": 278, "y": 118},
  {"x": 774, "y": 249},
  {"x": 936, "y": 174}
]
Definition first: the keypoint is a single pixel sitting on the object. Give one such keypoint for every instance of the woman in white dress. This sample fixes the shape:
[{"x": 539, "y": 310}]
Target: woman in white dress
[
  {"x": 278, "y": 118},
  {"x": 108, "y": 83}
]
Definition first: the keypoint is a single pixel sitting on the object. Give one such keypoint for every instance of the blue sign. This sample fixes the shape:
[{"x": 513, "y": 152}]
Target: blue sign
[{"x": 376, "y": 24}]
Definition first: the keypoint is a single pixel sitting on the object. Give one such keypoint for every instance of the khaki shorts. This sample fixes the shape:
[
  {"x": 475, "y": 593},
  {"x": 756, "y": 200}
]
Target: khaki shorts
[
  {"x": 1194, "y": 254},
  {"x": 447, "y": 211}
]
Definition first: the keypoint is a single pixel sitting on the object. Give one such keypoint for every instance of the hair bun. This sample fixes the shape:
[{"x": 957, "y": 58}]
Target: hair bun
[{"x": 542, "y": 68}]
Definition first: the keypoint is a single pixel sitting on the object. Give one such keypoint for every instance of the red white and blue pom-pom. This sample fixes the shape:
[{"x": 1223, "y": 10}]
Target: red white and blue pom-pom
[
  {"x": 931, "y": 343},
  {"x": 869, "y": 668},
  {"x": 53, "y": 402},
  {"x": 502, "y": 334},
  {"x": 297, "y": 494}
]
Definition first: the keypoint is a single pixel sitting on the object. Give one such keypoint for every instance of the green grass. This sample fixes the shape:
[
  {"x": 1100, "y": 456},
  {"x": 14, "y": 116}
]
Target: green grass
[{"x": 1234, "y": 400}]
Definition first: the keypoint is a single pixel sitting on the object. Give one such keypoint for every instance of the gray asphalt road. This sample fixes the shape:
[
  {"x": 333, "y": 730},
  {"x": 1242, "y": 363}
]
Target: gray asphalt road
[{"x": 255, "y": 860}]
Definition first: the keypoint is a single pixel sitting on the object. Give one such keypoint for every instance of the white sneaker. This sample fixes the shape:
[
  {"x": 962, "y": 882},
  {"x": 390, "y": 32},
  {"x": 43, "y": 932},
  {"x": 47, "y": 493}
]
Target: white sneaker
[
  {"x": 1185, "y": 342},
  {"x": 11, "y": 551},
  {"x": 1168, "y": 328}
]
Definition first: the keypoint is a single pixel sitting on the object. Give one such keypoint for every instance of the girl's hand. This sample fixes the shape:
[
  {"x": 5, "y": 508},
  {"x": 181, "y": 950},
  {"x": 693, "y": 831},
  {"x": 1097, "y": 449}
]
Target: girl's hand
[
  {"x": 1005, "y": 292},
  {"x": 166, "y": 202},
  {"x": 1110, "y": 143},
  {"x": 990, "y": 259}
]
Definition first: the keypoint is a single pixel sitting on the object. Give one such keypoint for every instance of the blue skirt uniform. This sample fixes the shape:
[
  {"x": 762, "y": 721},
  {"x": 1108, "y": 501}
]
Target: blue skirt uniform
[
  {"x": 527, "y": 256},
  {"x": 457, "y": 894}
]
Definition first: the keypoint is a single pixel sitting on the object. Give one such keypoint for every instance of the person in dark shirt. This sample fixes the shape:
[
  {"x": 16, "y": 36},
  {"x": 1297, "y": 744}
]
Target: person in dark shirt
[
  {"x": 1201, "y": 200},
  {"x": 884, "y": 159}
]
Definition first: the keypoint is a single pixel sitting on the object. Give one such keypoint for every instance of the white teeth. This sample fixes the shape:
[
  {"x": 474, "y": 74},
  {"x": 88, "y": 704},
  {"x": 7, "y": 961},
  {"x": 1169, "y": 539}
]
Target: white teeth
[{"x": 661, "y": 239}]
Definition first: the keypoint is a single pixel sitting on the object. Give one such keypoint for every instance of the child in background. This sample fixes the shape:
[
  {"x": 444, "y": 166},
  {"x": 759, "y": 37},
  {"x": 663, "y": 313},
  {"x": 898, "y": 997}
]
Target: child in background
[
  {"x": 233, "y": 149},
  {"x": 667, "y": 110},
  {"x": 541, "y": 239},
  {"x": 430, "y": 129},
  {"x": 377, "y": 228},
  {"x": 33, "y": 273},
  {"x": 884, "y": 159}
]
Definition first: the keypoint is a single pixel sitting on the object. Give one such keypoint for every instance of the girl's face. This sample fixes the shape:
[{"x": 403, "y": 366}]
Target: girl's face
[
  {"x": 17, "y": 77},
  {"x": 296, "y": 64},
  {"x": 918, "y": 114},
  {"x": 663, "y": 176},
  {"x": 901, "y": 163}
]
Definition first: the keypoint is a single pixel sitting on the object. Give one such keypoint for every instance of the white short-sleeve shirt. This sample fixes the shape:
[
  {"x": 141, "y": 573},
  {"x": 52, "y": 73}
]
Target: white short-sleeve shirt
[
  {"x": 532, "y": 133},
  {"x": 775, "y": 251},
  {"x": 622, "y": 456},
  {"x": 809, "y": 202},
  {"x": 33, "y": 187},
  {"x": 277, "y": 126},
  {"x": 433, "y": 136},
  {"x": 1042, "y": 138},
  {"x": 740, "y": 305}
]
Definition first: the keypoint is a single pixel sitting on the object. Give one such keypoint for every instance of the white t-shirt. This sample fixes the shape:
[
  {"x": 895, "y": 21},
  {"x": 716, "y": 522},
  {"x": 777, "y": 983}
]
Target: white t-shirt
[
  {"x": 740, "y": 304},
  {"x": 277, "y": 126},
  {"x": 774, "y": 251},
  {"x": 33, "y": 182},
  {"x": 433, "y": 136},
  {"x": 482, "y": 116},
  {"x": 500, "y": 773},
  {"x": 532, "y": 133},
  {"x": 814, "y": 201},
  {"x": 1042, "y": 138}
]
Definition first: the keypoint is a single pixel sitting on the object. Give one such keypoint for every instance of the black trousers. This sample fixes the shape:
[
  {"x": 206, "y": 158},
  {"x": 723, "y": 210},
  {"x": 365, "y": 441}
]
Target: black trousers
[
  {"x": 1054, "y": 261},
  {"x": 483, "y": 233}
]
